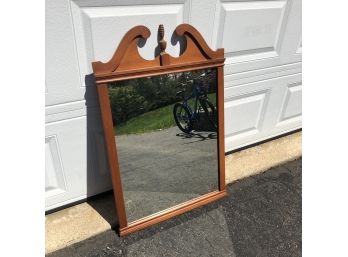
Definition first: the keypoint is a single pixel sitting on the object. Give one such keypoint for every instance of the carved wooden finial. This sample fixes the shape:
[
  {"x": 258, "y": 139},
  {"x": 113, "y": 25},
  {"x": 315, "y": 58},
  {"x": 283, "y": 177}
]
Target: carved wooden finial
[
  {"x": 162, "y": 43},
  {"x": 164, "y": 57}
]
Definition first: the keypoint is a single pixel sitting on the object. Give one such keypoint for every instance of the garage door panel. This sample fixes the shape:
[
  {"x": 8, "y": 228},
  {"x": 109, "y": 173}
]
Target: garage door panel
[
  {"x": 293, "y": 36},
  {"x": 63, "y": 82},
  {"x": 261, "y": 109},
  {"x": 251, "y": 33},
  {"x": 67, "y": 138},
  {"x": 291, "y": 109},
  {"x": 77, "y": 141},
  {"x": 98, "y": 29},
  {"x": 292, "y": 104},
  {"x": 244, "y": 113},
  {"x": 202, "y": 16},
  {"x": 255, "y": 33},
  {"x": 55, "y": 182}
]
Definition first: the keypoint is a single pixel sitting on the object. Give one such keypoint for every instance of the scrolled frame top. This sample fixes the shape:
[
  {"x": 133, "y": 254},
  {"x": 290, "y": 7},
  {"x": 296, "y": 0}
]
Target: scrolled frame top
[
  {"x": 183, "y": 29},
  {"x": 127, "y": 63}
]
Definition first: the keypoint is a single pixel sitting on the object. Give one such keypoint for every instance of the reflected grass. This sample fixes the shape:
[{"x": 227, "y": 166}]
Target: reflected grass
[
  {"x": 158, "y": 119},
  {"x": 161, "y": 118}
]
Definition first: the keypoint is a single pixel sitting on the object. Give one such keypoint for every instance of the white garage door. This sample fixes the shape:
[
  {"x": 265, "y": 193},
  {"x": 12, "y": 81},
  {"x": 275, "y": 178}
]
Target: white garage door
[{"x": 262, "y": 41}]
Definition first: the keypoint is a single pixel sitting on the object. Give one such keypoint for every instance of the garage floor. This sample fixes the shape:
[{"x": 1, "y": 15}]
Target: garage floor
[{"x": 260, "y": 217}]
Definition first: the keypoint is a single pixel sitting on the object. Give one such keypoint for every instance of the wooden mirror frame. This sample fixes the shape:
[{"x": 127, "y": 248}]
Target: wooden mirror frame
[{"x": 126, "y": 63}]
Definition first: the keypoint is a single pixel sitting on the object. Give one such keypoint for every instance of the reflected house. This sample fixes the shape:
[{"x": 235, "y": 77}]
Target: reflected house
[{"x": 163, "y": 164}]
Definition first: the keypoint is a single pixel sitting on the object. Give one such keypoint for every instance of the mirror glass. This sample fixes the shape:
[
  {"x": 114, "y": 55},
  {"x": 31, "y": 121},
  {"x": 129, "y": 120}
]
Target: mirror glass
[{"x": 166, "y": 137}]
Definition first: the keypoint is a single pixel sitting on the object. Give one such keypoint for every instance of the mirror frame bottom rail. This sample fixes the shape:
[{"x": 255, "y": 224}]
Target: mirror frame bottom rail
[{"x": 171, "y": 212}]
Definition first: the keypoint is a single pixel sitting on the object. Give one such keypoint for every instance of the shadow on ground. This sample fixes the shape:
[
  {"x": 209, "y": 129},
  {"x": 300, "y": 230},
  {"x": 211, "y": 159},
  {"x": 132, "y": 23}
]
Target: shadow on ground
[
  {"x": 198, "y": 135},
  {"x": 260, "y": 217}
]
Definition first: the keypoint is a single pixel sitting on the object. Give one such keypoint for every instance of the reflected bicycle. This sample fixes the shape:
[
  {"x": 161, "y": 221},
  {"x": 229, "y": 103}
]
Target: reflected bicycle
[{"x": 185, "y": 116}]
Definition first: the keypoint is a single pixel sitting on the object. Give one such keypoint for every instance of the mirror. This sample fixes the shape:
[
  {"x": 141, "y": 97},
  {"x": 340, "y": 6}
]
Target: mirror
[
  {"x": 163, "y": 123},
  {"x": 165, "y": 128}
]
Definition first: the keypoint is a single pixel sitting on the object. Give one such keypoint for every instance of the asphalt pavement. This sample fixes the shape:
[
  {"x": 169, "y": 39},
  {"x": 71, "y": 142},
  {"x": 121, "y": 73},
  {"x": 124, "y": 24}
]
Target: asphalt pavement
[
  {"x": 262, "y": 216},
  {"x": 163, "y": 168}
]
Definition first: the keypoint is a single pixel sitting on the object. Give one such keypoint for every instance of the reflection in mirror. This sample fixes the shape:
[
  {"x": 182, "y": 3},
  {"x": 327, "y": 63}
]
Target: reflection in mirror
[{"x": 166, "y": 137}]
